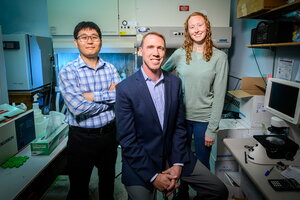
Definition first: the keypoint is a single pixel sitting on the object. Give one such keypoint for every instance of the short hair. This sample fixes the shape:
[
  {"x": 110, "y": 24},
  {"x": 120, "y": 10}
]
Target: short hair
[
  {"x": 153, "y": 33},
  {"x": 86, "y": 25}
]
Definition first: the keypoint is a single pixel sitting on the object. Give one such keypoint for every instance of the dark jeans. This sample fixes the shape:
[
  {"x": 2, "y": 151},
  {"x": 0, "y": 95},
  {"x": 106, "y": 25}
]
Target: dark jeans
[
  {"x": 198, "y": 129},
  {"x": 88, "y": 148},
  {"x": 202, "y": 151}
]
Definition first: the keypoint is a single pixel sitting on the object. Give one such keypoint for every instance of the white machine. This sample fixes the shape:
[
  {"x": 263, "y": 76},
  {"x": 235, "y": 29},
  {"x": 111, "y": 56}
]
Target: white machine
[
  {"x": 221, "y": 36},
  {"x": 271, "y": 149},
  {"x": 283, "y": 100},
  {"x": 28, "y": 61}
]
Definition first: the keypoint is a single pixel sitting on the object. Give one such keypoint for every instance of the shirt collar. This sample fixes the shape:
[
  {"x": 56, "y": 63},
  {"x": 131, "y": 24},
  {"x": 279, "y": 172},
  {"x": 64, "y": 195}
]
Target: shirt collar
[
  {"x": 147, "y": 78},
  {"x": 82, "y": 64}
]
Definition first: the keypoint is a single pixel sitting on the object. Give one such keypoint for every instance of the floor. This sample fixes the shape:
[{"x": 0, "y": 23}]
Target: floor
[{"x": 59, "y": 189}]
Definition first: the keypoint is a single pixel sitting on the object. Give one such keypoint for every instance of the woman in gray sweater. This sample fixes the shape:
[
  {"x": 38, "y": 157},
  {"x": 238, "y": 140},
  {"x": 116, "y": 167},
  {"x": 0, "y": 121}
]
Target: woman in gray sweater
[{"x": 203, "y": 70}]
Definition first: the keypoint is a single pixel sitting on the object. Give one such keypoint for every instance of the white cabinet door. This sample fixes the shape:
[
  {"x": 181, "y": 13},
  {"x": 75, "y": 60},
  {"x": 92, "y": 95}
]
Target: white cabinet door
[{"x": 64, "y": 15}]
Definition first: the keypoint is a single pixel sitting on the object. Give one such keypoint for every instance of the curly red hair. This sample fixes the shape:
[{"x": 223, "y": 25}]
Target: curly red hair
[{"x": 188, "y": 42}]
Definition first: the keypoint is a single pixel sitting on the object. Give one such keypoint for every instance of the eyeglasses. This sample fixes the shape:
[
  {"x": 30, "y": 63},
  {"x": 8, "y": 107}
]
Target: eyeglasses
[{"x": 85, "y": 38}]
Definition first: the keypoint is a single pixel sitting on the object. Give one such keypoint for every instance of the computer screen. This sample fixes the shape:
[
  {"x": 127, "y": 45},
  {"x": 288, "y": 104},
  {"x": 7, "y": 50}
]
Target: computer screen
[{"x": 283, "y": 99}]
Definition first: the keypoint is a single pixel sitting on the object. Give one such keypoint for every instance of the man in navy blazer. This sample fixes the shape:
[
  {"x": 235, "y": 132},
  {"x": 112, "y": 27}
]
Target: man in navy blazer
[{"x": 151, "y": 131}]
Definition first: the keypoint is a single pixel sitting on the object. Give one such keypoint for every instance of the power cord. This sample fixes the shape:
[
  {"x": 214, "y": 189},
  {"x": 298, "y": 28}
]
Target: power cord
[{"x": 258, "y": 67}]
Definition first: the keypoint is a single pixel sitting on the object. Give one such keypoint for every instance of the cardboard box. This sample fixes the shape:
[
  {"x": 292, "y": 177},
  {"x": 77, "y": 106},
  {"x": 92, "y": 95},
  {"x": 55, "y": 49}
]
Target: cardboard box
[
  {"x": 41, "y": 146},
  {"x": 229, "y": 128},
  {"x": 246, "y": 8},
  {"x": 251, "y": 95},
  {"x": 16, "y": 133},
  {"x": 253, "y": 112},
  {"x": 8, "y": 142},
  {"x": 220, "y": 167}
]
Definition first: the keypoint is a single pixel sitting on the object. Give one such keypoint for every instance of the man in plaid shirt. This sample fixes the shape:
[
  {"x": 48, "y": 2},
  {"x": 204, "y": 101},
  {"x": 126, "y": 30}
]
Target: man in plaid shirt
[{"x": 87, "y": 85}]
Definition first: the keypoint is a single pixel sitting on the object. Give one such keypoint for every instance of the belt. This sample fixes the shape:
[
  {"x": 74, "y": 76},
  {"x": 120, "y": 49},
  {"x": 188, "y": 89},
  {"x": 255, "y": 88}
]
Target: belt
[{"x": 108, "y": 128}]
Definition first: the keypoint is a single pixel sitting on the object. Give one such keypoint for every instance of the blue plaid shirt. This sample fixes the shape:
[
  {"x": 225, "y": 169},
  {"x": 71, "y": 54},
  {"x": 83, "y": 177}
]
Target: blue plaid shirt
[{"x": 77, "y": 78}]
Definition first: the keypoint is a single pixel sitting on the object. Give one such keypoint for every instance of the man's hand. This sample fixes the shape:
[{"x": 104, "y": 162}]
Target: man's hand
[
  {"x": 176, "y": 172},
  {"x": 208, "y": 141},
  {"x": 112, "y": 87},
  {"x": 89, "y": 96},
  {"x": 163, "y": 181}
]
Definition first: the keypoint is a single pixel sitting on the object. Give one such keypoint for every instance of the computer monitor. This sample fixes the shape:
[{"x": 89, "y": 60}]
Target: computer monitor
[{"x": 283, "y": 99}]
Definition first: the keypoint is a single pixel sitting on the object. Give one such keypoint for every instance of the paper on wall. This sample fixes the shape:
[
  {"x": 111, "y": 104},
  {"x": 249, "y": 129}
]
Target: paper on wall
[
  {"x": 298, "y": 74},
  {"x": 284, "y": 69}
]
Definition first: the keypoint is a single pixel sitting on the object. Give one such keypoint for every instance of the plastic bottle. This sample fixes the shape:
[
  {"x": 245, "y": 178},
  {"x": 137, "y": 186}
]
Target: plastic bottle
[
  {"x": 40, "y": 120},
  {"x": 35, "y": 107}
]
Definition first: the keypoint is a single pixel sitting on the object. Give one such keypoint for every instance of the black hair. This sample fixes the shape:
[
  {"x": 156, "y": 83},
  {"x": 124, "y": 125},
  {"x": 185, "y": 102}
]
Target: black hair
[{"x": 86, "y": 25}]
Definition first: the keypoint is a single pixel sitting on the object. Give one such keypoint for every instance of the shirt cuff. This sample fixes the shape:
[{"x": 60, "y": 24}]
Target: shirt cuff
[
  {"x": 179, "y": 164},
  {"x": 211, "y": 134},
  {"x": 153, "y": 178}
]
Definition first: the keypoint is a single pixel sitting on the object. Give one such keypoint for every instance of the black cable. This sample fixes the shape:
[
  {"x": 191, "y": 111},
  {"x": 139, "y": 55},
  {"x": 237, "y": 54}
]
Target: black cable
[
  {"x": 274, "y": 62},
  {"x": 258, "y": 67},
  {"x": 51, "y": 83}
]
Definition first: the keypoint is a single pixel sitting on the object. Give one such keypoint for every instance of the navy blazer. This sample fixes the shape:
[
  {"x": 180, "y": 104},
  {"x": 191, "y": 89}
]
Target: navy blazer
[{"x": 145, "y": 145}]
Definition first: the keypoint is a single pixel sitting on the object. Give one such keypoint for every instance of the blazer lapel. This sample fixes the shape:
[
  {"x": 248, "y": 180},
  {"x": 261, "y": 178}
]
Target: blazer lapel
[
  {"x": 167, "y": 100},
  {"x": 143, "y": 88}
]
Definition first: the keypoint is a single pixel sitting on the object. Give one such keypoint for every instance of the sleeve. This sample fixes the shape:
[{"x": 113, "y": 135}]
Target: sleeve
[
  {"x": 219, "y": 87},
  {"x": 132, "y": 151},
  {"x": 170, "y": 64},
  {"x": 179, "y": 154},
  {"x": 73, "y": 97},
  {"x": 107, "y": 96}
]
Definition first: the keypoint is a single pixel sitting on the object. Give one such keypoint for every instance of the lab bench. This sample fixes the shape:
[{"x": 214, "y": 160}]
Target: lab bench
[{"x": 33, "y": 178}]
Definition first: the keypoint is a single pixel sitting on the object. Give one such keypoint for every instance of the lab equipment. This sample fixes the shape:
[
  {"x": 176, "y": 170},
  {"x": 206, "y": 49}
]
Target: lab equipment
[
  {"x": 271, "y": 149},
  {"x": 15, "y": 134},
  {"x": 221, "y": 36},
  {"x": 282, "y": 99},
  {"x": 284, "y": 184},
  {"x": 278, "y": 126},
  {"x": 28, "y": 61}
]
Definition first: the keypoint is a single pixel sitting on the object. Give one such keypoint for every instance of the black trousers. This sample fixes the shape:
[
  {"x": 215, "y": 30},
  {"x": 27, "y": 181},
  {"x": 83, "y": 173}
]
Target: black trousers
[{"x": 87, "y": 148}]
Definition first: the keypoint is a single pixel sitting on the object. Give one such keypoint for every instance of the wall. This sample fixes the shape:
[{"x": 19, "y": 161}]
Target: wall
[
  {"x": 3, "y": 83},
  {"x": 242, "y": 59},
  {"x": 19, "y": 16},
  {"x": 64, "y": 15}
]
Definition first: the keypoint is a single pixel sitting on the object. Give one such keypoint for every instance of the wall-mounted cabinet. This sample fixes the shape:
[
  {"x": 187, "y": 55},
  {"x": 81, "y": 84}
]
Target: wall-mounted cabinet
[{"x": 64, "y": 15}]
